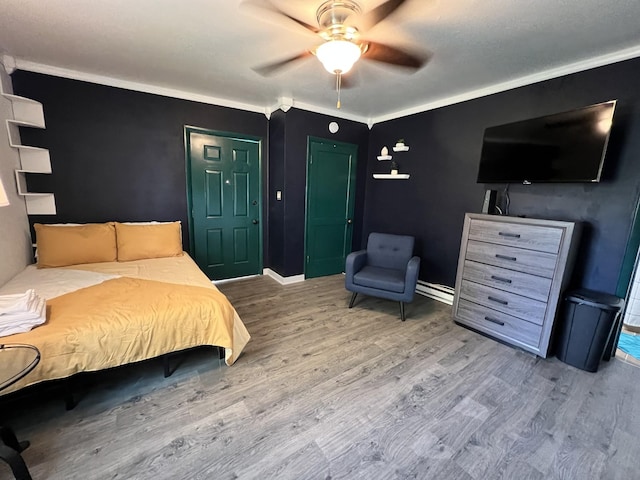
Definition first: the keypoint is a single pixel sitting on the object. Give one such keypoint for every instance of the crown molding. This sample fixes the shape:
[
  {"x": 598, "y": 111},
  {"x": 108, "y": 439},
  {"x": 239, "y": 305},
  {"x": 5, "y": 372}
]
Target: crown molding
[
  {"x": 285, "y": 103},
  {"x": 594, "y": 62},
  {"x": 135, "y": 86},
  {"x": 330, "y": 112},
  {"x": 8, "y": 62}
]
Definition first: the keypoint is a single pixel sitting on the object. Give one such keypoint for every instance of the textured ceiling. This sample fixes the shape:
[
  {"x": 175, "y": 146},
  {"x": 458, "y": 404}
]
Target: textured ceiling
[{"x": 205, "y": 49}]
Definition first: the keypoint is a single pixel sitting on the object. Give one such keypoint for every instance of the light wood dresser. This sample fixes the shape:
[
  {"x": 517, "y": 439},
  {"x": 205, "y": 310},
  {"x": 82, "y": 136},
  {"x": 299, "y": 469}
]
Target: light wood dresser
[{"x": 511, "y": 274}]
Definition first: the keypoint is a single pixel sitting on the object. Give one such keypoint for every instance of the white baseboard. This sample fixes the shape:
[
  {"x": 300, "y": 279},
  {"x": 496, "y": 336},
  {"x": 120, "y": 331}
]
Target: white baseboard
[
  {"x": 227, "y": 280},
  {"x": 442, "y": 293},
  {"x": 283, "y": 280}
]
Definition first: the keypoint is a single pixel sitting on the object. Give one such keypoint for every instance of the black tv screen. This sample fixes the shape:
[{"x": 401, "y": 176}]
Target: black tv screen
[{"x": 564, "y": 147}]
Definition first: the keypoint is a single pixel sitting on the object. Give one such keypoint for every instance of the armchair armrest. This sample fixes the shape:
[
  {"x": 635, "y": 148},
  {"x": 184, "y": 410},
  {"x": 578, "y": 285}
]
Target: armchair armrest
[
  {"x": 411, "y": 276},
  {"x": 354, "y": 263}
]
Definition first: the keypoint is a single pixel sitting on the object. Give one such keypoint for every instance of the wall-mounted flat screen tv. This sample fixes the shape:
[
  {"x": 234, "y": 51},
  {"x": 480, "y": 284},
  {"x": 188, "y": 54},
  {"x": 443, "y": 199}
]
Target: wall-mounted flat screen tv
[{"x": 564, "y": 147}]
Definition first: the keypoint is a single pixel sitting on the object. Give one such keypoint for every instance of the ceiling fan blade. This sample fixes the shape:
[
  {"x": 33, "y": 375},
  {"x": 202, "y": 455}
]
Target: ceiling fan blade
[
  {"x": 375, "y": 16},
  {"x": 395, "y": 56},
  {"x": 271, "y": 68},
  {"x": 267, "y": 5}
]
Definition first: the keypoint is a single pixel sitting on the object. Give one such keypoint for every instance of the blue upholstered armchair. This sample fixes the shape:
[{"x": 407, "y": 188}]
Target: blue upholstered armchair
[{"x": 386, "y": 269}]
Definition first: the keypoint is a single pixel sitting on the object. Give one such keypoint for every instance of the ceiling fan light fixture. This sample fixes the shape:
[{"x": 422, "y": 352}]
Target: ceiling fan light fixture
[
  {"x": 336, "y": 12},
  {"x": 338, "y": 56}
]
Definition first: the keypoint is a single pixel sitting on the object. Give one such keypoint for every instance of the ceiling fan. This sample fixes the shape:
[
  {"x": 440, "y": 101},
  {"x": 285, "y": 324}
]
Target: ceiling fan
[{"x": 340, "y": 25}]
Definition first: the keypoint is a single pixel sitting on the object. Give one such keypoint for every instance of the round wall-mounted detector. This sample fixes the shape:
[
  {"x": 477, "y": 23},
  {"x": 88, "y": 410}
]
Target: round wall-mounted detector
[{"x": 334, "y": 127}]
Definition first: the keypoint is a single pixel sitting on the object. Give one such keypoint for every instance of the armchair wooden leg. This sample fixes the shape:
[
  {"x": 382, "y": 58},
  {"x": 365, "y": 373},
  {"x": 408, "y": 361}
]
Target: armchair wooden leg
[
  {"x": 402, "y": 317},
  {"x": 353, "y": 299}
]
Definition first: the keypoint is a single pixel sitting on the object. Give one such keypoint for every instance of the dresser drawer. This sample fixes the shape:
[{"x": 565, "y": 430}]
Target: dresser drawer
[
  {"x": 512, "y": 281},
  {"x": 522, "y": 260},
  {"x": 505, "y": 302},
  {"x": 498, "y": 324},
  {"x": 532, "y": 237}
]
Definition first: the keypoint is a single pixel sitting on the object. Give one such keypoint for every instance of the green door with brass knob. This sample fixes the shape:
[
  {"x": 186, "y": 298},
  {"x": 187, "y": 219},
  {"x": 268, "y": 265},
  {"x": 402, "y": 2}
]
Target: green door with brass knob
[
  {"x": 223, "y": 176},
  {"x": 331, "y": 182}
]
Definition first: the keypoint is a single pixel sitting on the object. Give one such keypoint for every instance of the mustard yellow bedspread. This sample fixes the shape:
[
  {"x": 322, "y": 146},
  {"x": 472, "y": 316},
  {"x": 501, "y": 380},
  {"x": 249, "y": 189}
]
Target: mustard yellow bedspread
[{"x": 126, "y": 320}]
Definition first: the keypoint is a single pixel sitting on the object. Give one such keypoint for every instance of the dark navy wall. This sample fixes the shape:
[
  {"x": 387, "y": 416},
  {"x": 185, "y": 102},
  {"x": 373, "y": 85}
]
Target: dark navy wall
[
  {"x": 275, "y": 256},
  {"x": 118, "y": 154},
  {"x": 445, "y": 147},
  {"x": 290, "y": 172}
]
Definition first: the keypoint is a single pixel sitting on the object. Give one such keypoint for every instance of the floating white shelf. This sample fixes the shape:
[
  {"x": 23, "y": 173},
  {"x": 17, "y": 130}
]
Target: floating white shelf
[
  {"x": 388, "y": 176},
  {"x": 34, "y": 159},
  {"x": 37, "y": 203},
  {"x": 29, "y": 113},
  {"x": 14, "y": 133},
  {"x": 26, "y": 112},
  {"x": 401, "y": 149},
  {"x": 384, "y": 157}
]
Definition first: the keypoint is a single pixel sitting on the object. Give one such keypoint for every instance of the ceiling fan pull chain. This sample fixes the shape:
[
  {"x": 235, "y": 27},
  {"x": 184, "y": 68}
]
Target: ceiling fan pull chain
[{"x": 338, "y": 83}]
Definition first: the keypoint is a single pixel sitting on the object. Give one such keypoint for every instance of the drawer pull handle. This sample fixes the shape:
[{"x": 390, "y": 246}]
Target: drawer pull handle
[
  {"x": 506, "y": 257},
  {"x": 493, "y": 320},
  {"x": 500, "y": 279},
  {"x": 507, "y": 234},
  {"x": 497, "y": 300}
]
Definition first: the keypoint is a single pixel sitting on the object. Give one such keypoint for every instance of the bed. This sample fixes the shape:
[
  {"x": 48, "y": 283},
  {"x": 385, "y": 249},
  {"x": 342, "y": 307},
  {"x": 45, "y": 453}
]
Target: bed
[{"x": 103, "y": 314}]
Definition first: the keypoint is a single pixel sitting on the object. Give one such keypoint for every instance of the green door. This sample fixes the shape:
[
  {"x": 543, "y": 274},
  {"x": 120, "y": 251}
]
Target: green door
[
  {"x": 331, "y": 181},
  {"x": 223, "y": 175}
]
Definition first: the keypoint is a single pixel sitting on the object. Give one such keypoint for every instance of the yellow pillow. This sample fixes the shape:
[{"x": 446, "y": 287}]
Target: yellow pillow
[
  {"x": 61, "y": 245},
  {"x": 153, "y": 240}
]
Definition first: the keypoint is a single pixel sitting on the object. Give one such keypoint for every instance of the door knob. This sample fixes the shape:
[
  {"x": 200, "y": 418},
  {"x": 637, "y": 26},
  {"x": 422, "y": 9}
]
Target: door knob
[
  {"x": 254, "y": 221},
  {"x": 349, "y": 221}
]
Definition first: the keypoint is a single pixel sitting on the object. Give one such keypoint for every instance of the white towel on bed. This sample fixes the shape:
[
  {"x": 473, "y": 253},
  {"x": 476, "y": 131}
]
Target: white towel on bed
[
  {"x": 21, "y": 312},
  {"x": 18, "y": 303}
]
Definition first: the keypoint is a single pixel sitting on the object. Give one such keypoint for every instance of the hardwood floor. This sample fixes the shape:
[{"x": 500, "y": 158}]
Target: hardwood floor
[{"x": 324, "y": 392}]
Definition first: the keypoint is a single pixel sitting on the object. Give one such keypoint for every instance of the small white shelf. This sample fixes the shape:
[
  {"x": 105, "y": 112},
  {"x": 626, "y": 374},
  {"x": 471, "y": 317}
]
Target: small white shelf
[
  {"x": 40, "y": 204},
  {"x": 37, "y": 203},
  {"x": 26, "y": 112},
  {"x": 384, "y": 157},
  {"x": 34, "y": 159},
  {"x": 401, "y": 149},
  {"x": 29, "y": 113},
  {"x": 14, "y": 133},
  {"x": 388, "y": 176}
]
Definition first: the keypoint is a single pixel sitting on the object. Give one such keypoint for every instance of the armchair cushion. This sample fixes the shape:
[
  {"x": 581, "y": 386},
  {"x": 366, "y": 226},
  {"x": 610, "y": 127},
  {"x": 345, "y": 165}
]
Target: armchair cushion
[{"x": 381, "y": 278}]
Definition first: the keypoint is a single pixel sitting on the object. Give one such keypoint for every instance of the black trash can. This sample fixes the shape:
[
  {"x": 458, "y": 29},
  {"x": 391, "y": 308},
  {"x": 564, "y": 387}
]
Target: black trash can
[{"x": 589, "y": 328}]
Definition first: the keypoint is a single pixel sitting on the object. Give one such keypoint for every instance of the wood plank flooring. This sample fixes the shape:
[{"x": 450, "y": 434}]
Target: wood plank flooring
[{"x": 324, "y": 392}]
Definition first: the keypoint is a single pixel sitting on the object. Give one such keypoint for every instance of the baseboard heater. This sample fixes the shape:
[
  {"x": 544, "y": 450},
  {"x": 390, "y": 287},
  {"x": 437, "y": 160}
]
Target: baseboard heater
[{"x": 442, "y": 293}]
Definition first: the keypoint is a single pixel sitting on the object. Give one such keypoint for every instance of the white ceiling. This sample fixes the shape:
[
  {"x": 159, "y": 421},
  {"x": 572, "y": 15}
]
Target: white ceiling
[{"x": 204, "y": 49}]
